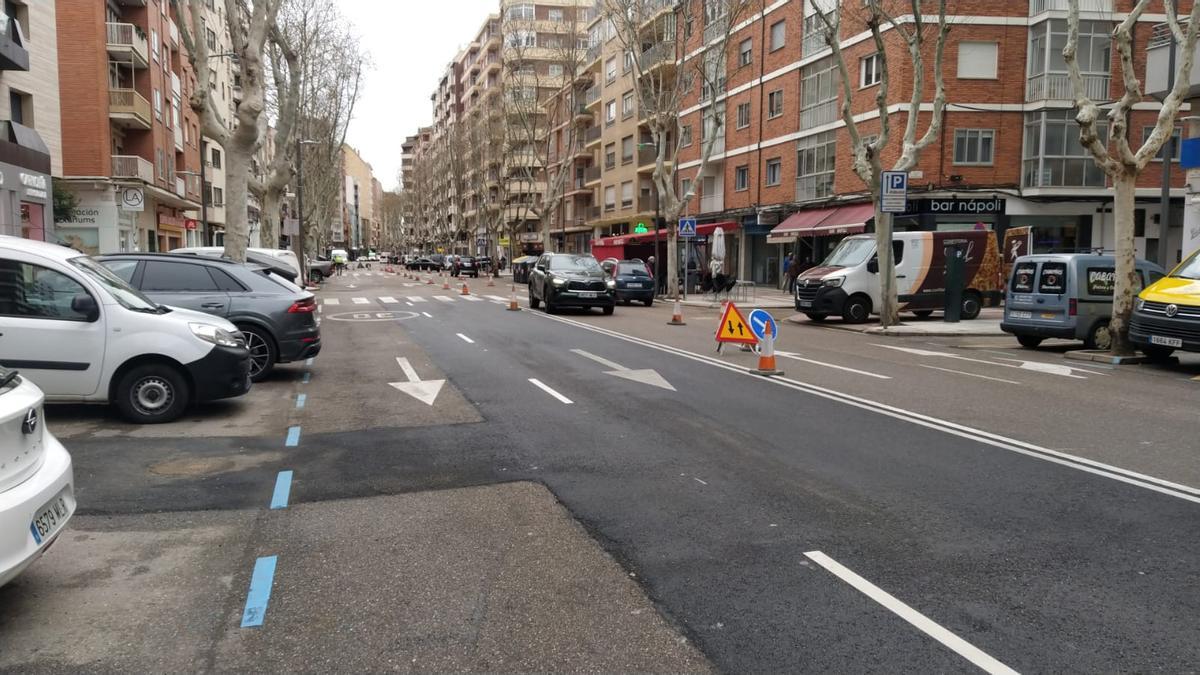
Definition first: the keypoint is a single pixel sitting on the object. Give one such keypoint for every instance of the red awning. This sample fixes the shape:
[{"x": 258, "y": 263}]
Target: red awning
[
  {"x": 821, "y": 222},
  {"x": 703, "y": 230},
  {"x": 847, "y": 220},
  {"x": 801, "y": 222}
]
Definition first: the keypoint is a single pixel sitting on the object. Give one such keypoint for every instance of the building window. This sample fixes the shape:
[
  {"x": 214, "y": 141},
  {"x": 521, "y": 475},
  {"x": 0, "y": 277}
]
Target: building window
[
  {"x": 218, "y": 197},
  {"x": 211, "y": 39},
  {"x": 814, "y": 34},
  {"x": 627, "y": 149},
  {"x": 1174, "y": 141},
  {"x": 978, "y": 60},
  {"x": 610, "y": 70},
  {"x": 974, "y": 146},
  {"x": 610, "y": 198},
  {"x": 774, "y": 171},
  {"x": 1052, "y": 155},
  {"x": 610, "y": 156},
  {"x": 158, "y": 163},
  {"x": 158, "y": 104},
  {"x": 556, "y": 15},
  {"x": 868, "y": 70},
  {"x": 1048, "y": 69},
  {"x": 521, "y": 12},
  {"x": 154, "y": 43},
  {"x": 627, "y": 65},
  {"x": 627, "y": 104},
  {"x": 556, "y": 70},
  {"x": 743, "y": 115},
  {"x": 20, "y": 107},
  {"x": 610, "y": 112},
  {"x": 685, "y": 135},
  {"x": 627, "y": 194},
  {"x": 818, "y": 93},
  {"x": 816, "y": 157},
  {"x": 778, "y": 35},
  {"x": 684, "y": 186},
  {"x": 216, "y": 158},
  {"x": 775, "y": 104},
  {"x": 746, "y": 52},
  {"x": 741, "y": 178}
]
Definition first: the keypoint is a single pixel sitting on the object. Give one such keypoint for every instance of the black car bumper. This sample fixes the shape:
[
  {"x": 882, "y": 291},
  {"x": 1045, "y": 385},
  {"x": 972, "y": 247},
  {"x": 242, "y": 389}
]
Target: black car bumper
[
  {"x": 1142, "y": 328},
  {"x": 826, "y": 300},
  {"x": 1064, "y": 332},
  {"x": 573, "y": 299},
  {"x": 223, "y": 373}
]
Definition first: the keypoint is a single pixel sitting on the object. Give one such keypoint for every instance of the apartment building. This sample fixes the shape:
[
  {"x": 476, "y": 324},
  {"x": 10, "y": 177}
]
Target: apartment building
[
  {"x": 358, "y": 201},
  {"x": 131, "y": 149},
  {"x": 31, "y": 139},
  {"x": 481, "y": 85}
]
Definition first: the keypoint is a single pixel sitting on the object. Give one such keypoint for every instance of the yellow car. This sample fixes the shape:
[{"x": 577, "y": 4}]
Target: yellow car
[{"x": 1166, "y": 314}]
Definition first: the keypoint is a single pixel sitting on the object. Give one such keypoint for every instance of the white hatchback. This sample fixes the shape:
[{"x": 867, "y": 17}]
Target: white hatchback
[{"x": 37, "y": 494}]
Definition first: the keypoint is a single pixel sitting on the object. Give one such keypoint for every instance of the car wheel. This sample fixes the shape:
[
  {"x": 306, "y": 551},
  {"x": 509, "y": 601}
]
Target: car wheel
[
  {"x": 817, "y": 317},
  {"x": 1098, "y": 337},
  {"x": 609, "y": 309},
  {"x": 650, "y": 302},
  {"x": 262, "y": 352},
  {"x": 533, "y": 302},
  {"x": 550, "y": 307},
  {"x": 857, "y": 309},
  {"x": 923, "y": 313},
  {"x": 1029, "y": 341},
  {"x": 152, "y": 394},
  {"x": 1157, "y": 352},
  {"x": 972, "y": 305}
]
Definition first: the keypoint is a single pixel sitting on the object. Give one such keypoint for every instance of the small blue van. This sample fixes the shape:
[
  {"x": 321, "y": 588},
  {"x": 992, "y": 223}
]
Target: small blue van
[{"x": 1065, "y": 295}]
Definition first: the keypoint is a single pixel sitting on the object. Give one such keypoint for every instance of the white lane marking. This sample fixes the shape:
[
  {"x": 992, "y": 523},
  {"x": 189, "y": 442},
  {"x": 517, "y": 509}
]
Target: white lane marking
[
  {"x": 538, "y": 383},
  {"x": 465, "y": 338},
  {"x": 409, "y": 371},
  {"x": 1036, "y": 366},
  {"x": 443, "y": 298},
  {"x": 354, "y": 274},
  {"x": 472, "y": 298},
  {"x": 417, "y": 298},
  {"x": 963, "y": 372},
  {"x": 1166, "y": 487},
  {"x": 699, "y": 481},
  {"x": 965, "y": 649},
  {"x": 796, "y": 357},
  {"x": 598, "y": 359},
  {"x": 387, "y": 300},
  {"x": 332, "y": 301},
  {"x": 319, "y": 307},
  {"x": 497, "y": 298},
  {"x": 361, "y": 301},
  {"x": 427, "y": 315},
  {"x": 409, "y": 304}
]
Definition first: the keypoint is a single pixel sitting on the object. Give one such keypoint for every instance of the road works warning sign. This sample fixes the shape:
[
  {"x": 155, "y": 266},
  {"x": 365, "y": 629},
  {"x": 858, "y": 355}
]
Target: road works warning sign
[{"x": 734, "y": 327}]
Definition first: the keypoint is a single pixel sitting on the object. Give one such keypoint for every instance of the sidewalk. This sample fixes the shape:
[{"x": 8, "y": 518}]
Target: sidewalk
[
  {"x": 988, "y": 324},
  {"x": 761, "y": 297}
]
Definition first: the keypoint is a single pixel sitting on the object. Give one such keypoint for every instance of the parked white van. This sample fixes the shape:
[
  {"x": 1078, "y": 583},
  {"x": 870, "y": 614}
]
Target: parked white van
[
  {"x": 82, "y": 334},
  {"x": 847, "y": 282}
]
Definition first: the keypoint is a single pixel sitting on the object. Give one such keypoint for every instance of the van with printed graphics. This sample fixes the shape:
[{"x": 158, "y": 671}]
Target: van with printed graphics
[
  {"x": 1065, "y": 295},
  {"x": 847, "y": 282}
]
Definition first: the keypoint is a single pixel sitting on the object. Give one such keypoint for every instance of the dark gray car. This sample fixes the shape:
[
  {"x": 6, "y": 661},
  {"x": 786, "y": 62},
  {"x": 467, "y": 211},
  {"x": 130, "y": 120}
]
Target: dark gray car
[
  {"x": 276, "y": 317},
  {"x": 570, "y": 280}
]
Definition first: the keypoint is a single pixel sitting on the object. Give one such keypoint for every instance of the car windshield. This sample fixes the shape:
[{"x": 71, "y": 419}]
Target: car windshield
[
  {"x": 123, "y": 293},
  {"x": 1189, "y": 269},
  {"x": 574, "y": 263},
  {"x": 850, "y": 253},
  {"x": 632, "y": 269}
]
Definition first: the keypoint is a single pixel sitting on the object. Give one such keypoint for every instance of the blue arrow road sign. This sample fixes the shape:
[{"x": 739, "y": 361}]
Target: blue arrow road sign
[
  {"x": 687, "y": 227},
  {"x": 761, "y": 322}
]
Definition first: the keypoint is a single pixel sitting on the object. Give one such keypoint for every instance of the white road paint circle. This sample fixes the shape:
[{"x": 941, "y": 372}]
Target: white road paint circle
[{"x": 372, "y": 316}]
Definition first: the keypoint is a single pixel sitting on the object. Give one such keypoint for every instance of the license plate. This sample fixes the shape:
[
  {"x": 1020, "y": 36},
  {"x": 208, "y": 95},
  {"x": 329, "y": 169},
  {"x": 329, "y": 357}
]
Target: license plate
[
  {"x": 1166, "y": 341},
  {"x": 1020, "y": 315},
  {"x": 587, "y": 294},
  {"x": 806, "y": 303},
  {"x": 50, "y": 518},
  {"x": 1048, "y": 315},
  {"x": 634, "y": 286}
]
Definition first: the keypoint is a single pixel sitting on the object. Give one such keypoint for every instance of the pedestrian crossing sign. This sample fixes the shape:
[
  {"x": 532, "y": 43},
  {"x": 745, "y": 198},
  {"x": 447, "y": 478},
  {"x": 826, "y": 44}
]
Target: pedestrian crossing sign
[{"x": 734, "y": 327}]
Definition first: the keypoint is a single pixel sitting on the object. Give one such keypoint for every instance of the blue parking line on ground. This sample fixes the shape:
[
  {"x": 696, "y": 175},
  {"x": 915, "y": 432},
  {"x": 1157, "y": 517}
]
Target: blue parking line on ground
[
  {"x": 293, "y": 437},
  {"x": 283, "y": 490},
  {"x": 300, "y": 400},
  {"x": 260, "y": 592},
  {"x": 306, "y": 378}
]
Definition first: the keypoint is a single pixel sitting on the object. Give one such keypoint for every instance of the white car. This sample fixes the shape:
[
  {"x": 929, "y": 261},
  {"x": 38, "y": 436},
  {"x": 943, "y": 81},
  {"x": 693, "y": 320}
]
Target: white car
[
  {"x": 37, "y": 494},
  {"x": 83, "y": 335}
]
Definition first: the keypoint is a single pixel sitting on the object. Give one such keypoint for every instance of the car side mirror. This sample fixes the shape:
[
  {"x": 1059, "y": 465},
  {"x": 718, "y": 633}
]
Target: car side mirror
[
  {"x": 873, "y": 265},
  {"x": 86, "y": 305}
]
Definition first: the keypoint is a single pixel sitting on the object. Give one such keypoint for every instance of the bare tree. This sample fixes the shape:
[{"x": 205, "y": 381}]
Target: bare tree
[
  {"x": 1114, "y": 155},
  {"x": 868, "y": 161},
  {"x": 249, "y": 26},
  {"x": 666, "y": 66}
]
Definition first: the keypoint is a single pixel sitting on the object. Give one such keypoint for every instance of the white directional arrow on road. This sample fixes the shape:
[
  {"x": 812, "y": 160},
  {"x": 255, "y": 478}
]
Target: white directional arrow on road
[
  {"x": 425, "y": 391},
  {"x": 1022, "y": 364},
  {"x": 645, "y": 376}
]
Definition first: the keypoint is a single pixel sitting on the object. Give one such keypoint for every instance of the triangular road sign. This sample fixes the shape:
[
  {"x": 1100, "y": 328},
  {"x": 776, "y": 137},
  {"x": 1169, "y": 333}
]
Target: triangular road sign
[
  {"x": 734, "y": 327},
  {"x": 425, "y": 391}
]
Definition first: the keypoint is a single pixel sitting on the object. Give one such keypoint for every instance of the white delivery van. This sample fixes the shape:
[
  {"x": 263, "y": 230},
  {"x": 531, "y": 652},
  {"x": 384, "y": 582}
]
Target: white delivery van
[
  {"x": 82, "y": 334},
  {"x": 847, "y": 282}
]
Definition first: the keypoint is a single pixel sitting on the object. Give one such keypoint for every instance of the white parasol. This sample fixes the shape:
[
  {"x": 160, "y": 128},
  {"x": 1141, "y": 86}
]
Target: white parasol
[{"x": 718, "y": 251}]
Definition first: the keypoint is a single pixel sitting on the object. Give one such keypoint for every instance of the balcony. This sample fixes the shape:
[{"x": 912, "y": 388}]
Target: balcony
[
  {"x": 1039, "y": 6},
  {"x": 176, "y": 91},
  {"x": 583, "y": 115},
  {"x": 591, "y": 175},
  {"x": 592, "y": 96},
  {"x": 132, "y": 166},
  {"x": 180, "y": 187},
  {"x": 818, "y": 114},
  {"x": 592, "y": 136},
  {"x": 647, "y": 157},
  {"x": 712, "y": 203},
  {"x": 192, "y": 186},
  {"x": 593, "y": 53},
  {"x": 716, "y": 28},
  {"x": 178, "y": 138},
  {"x": 1158, "y": 54},
  {"x": 662, "y": 53},
  {"x": 173, "y": 32},
  {"x": 129, "y": 109},
  {"x": 1057, "y": 86},
  {"x": 13, "y": 54},
  {"x": 646, "y": 203}
]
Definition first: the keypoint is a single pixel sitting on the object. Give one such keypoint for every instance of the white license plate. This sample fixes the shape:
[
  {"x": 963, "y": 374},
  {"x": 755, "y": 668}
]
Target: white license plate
[
  {"x": 1020, "y": 315},
  {"x": 587, "y": 294},
  {"x": 806, "y": 303},
  {"x": 1166, "y": 341},
  {"x": 50, "y": 518},
  {"x": 634, "y": 286}
]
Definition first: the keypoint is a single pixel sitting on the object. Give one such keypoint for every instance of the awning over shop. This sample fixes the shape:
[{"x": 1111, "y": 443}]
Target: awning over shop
[
  {"x": 621, "y": 240},
  {"x": 822, "y": 222}
]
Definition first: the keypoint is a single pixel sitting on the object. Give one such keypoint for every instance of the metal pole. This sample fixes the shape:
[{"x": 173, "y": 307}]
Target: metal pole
[
  {"x": 1168, "y": 153},
  {"x": 298, "y": 244},
  {"x": 658, "y": 262}
]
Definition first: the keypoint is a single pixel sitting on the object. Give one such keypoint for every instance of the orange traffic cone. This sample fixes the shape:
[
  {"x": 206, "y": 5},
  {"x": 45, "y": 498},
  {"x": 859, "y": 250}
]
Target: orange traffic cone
[
  {"x": 465, "y": 290},
  {"x": 766, "y": 357},
  {"x": 676, "y": 315},
  {"x": 446, "y": 284},
  {"x": 429, "y": 280},
  {"x": 491, "y": 281},
  {"x": 512, "y": 302}
]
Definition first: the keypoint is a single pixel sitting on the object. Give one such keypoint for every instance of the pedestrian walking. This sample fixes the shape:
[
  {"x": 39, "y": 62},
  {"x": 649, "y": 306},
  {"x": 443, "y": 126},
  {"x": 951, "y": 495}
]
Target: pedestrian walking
[
  {"x": 793, "y": 271},
  {"x": 653, "y": 267}
]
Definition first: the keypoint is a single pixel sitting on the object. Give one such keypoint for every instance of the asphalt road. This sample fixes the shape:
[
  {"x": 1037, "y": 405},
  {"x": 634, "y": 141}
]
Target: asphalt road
[{"x": 1014, "y": 510}]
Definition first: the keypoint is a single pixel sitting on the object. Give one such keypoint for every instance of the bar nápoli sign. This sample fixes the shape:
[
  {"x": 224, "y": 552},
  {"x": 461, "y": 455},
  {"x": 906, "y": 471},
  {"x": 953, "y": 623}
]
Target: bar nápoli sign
[{"x": 989, "y": 206}]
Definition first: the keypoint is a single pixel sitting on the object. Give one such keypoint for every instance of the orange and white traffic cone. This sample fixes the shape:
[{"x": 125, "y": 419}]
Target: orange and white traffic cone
[
  {"x": 766, "y": 357},
  {"x": 465, "y": 290},
  {"x": 491, "y": 281},
  {"x": 429, "y": 280},
  {"x": 676, "y": 315},
  {"x": 446, "y": 284},
  {"x": 512, "y": 302}
]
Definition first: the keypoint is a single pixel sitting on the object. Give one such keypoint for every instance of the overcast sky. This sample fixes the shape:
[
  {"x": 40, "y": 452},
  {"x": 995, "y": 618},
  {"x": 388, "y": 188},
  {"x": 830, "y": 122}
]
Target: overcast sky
[{"x": 411, "y": 42}]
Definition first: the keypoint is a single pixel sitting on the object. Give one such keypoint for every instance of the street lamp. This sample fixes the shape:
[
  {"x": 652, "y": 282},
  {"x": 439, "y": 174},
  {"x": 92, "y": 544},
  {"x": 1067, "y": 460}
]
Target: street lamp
[{"x": 298, "y": 244}]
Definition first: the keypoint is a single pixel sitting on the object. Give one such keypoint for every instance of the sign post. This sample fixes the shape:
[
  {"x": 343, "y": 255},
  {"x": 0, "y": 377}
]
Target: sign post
[
  {"x": 687, "y": 230},
  {"x": 893, "y": 196},
  {"x": 765, "y": 329}
]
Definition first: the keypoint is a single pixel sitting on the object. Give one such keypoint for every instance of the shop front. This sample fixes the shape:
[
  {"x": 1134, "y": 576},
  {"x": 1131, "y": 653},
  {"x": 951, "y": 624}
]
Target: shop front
[
  {"x": 25, "y": 192},
  {"x": 171, "y": 232},
  {"x": 694, "y": 253},
  {"x": 812, "y": 233}
]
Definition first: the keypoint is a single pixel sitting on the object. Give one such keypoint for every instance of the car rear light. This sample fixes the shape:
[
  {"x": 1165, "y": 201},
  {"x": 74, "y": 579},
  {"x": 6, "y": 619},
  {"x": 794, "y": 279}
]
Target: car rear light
[
  {"x": 1073, "y": 307},
  {"x": 304, "y": 306}
]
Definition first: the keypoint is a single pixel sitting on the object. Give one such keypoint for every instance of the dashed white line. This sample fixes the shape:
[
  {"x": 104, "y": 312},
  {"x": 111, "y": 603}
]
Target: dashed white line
[
  {"x": 361, "y": 301},
  {"x": 387, "y": 300},
  {"x": 497, "y": 298},
  {"x": 472, "y": 298},
  {"x": 409, "y": 304},
  {"x": 699, "y": 481},
  {"x": 960, "y": 646},
  {"x": 427, "y": 315},
  {"x": 465, "y": 338},
  {"x": 538, "y": 383},
  {"x": 963, "y": 372},
  {"x": 332, "y": 301},
  {"x": 443, "y": 298},
  {"x": 797, "y": 357},
  {"x": 417, "y": 298}
]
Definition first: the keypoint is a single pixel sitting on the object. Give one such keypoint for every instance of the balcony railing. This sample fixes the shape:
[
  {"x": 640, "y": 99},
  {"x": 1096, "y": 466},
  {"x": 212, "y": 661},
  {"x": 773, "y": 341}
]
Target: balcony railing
[
  {"x": 176, "y": 90},
  {"x": 646, "y": 203},
  {"x": 124, "y": 41},
  {"x": 821, "y": 113},
  {"x": 592, "y": 135},
  {"x": 1057, "y": 86},
  {"x": 173, "y": 31},
  {"x": 593, "y": 53},
  {"x": 591, "y": 95},
  {"x": 716, "y": 29},
  {"x": 1039, "y": 6},
  {"x": 663, "y": 52},
  {"x": 178, "y": 137},
  {"x": 591, "y": 174},
  {"x": 129, "y": 106},
  {"x": 132, "y": 166},
  {"x": 712, "y": 203},
  {"x": 180, "y": 187},
  {"x": 648, "y": 156}
]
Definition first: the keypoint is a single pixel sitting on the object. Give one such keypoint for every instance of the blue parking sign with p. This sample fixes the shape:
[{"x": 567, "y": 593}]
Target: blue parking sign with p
[
  {"x": 898, "y": 180},
  {"x": 894, "y": 197}
]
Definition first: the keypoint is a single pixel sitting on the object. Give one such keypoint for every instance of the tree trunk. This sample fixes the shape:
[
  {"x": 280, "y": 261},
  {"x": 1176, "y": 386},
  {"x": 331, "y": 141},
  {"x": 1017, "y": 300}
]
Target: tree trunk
[
  {"x": 1126, "y": 281},
  {"x": 269, "y": 223},
  {"x": 672, "y": 257},
  {"x": 237, "y": 177},
  {"x": 889, "y": 312}
]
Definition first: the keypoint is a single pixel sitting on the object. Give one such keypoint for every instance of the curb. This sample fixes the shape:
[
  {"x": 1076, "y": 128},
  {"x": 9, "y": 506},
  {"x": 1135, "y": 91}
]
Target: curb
[
  {"x": 893, "y": 331},
  {"x": 1099, "y": 356}
]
